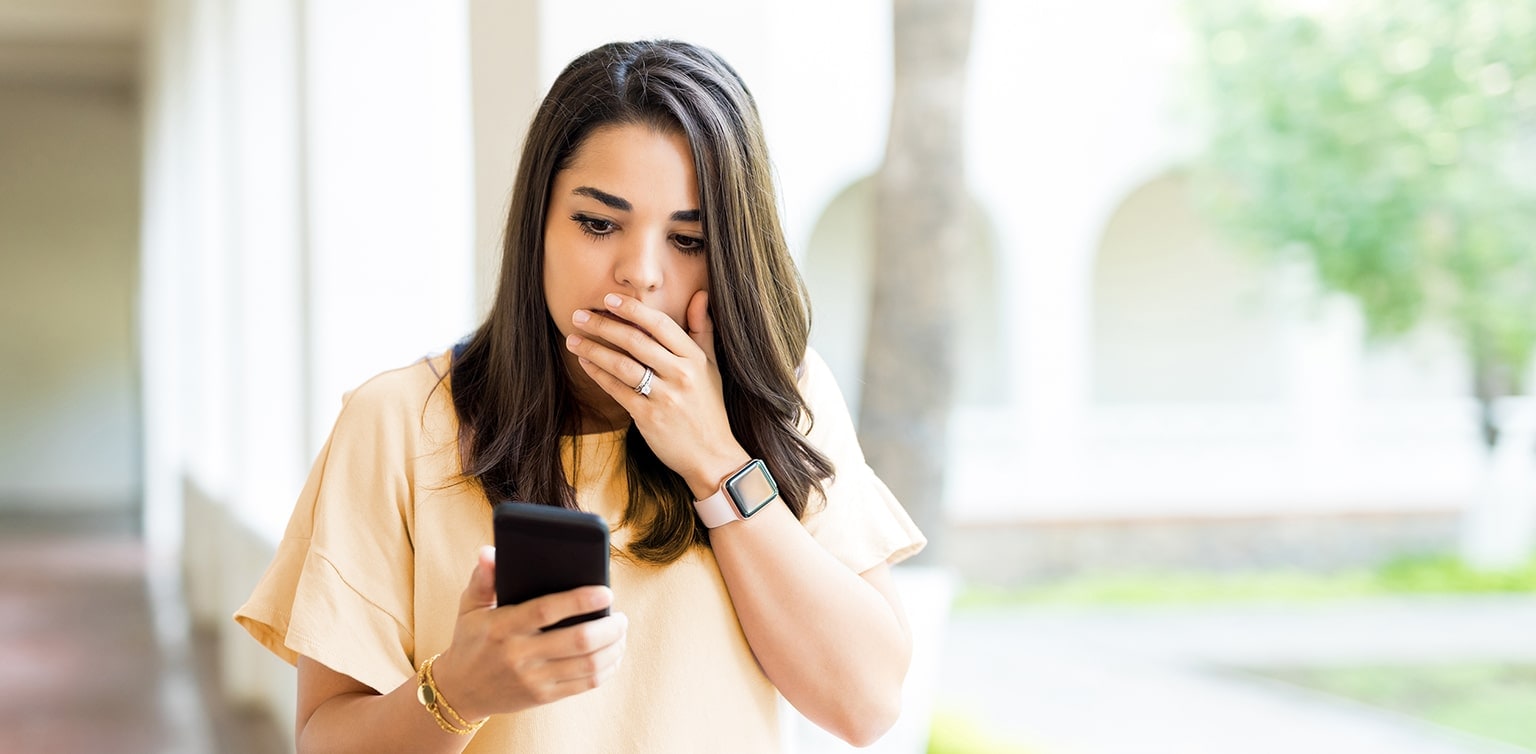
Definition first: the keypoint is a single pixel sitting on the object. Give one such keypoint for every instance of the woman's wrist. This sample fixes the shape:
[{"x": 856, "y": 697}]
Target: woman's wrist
[
  {"x": 712, "y": 472},
  {"x": 453, "y": 692}
]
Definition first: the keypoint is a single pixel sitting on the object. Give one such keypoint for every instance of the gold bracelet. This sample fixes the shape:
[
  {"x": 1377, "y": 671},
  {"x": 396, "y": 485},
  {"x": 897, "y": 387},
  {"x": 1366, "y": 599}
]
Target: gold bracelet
[{"x": 432, "y": 699}]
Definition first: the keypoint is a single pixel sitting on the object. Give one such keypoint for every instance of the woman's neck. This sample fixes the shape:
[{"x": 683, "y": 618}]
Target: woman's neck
[
  {"x": 596, "y": 420},
  {"x": 596, "y": 410}
]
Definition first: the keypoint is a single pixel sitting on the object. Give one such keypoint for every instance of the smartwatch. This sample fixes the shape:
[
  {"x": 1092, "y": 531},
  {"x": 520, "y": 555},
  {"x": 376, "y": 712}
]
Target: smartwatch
[{"x": 740, "y": 495}]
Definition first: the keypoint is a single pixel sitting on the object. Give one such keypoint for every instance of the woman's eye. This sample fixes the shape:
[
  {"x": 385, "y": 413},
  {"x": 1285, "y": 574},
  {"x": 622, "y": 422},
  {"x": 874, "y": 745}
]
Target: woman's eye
[
  {"x": 690, "y": 244},
  {"x": 593, "y": 226}
]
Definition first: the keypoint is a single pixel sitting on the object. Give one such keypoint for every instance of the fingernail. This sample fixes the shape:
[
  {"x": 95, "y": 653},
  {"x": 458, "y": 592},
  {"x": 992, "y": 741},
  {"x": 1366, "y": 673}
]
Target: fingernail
[
  {"x": 573, "y": 340},
  {"x": 613, "y": 300},
  {"x": 581, "y": 316}
]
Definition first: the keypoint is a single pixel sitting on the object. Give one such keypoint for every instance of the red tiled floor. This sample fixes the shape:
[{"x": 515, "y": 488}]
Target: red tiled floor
[{"x": 83, "y": 668}]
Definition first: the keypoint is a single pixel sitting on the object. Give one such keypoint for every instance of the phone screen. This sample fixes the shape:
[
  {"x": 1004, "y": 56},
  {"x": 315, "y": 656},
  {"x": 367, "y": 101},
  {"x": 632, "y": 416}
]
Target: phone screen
[{"x": 541, "y": 549}]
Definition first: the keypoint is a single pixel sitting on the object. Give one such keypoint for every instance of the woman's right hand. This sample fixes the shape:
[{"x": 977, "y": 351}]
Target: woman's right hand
[{"x": 500, "y": 661}]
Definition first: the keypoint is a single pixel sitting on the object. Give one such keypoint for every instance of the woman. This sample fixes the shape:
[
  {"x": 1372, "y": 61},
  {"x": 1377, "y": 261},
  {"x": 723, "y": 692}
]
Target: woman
[{"x": 647, "y": 343}]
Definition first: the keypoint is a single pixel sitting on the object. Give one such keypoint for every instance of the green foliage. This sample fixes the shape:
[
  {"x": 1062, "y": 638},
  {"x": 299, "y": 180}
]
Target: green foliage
[
  {"x": 1421, "y": 574},
  {"x": 1391, "y": 145}
]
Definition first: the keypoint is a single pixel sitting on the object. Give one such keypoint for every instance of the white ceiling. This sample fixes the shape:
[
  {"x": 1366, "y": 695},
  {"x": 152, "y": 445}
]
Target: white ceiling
[{"x": 71, "y": 41}]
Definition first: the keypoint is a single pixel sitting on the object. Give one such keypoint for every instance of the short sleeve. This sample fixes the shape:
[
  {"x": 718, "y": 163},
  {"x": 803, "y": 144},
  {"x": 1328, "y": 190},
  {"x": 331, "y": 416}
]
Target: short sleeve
[
  {"x": 861, "y": 522},
  {"x": 339, "y": 589}
]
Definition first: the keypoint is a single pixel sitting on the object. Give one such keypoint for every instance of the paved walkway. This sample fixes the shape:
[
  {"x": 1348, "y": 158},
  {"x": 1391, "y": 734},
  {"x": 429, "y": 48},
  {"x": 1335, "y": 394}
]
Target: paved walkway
[{"x": 1163, "y": 680}]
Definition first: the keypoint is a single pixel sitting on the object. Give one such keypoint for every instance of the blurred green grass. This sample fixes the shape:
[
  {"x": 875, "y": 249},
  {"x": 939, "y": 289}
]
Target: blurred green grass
[
  {"x": 1491, "y": 700},
  {"x": 957, "y": 733},
  {"x": 1494, "y": 701},
  {"x": 1413, "y": 575}
]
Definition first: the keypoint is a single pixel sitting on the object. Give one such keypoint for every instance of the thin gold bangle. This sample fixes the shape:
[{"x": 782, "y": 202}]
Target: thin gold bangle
[{"x": 432, "y": 699}]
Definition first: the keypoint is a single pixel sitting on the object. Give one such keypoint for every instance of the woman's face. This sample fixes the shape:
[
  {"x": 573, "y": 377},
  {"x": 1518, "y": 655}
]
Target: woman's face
[{"x": 624, "y": 218}]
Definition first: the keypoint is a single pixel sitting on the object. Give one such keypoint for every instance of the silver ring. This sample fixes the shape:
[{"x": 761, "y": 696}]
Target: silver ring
[{"x": 644, "y": 388}]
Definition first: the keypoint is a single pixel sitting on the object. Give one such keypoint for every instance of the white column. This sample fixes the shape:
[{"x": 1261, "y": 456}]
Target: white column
[
  {"x": 266, "y": 236},
  {"x": 389, "y": 190},
  {"x": 1325, "y": 355},
  {"x": 159, "y": 301},
  {"x": 205, "y": 258},
  {"x": 184, "y": 302},
  {"x": 506, "y": 87},
  {"x": 267, "y": 337}
]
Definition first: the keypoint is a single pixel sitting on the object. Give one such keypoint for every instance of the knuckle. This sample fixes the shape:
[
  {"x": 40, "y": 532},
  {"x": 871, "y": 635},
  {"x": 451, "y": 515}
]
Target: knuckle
[
  {"x": 583, "y": 640},
  {"x": 543, "y": 613},
  {"x": 608, "y": 672}
]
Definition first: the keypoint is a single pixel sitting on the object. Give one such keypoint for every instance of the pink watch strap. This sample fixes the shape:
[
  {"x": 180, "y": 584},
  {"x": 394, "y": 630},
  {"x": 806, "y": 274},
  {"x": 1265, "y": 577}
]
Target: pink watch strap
[{"x": 717, "y": 509}]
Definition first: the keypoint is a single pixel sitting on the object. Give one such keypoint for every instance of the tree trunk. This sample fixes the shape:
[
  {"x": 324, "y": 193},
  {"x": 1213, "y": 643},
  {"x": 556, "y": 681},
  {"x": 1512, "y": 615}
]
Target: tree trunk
[{"x": 920, "y": 209}]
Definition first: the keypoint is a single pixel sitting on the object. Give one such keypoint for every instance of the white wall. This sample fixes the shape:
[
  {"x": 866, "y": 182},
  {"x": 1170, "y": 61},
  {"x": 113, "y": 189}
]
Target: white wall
[
  {"x": 1148, "y": 369},
  {"x": 1178, "y": 316},
  {"x": 69, "y": 218}
]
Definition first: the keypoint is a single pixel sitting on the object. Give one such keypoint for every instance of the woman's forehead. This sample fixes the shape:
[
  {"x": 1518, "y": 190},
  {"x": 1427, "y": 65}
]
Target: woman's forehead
[{"x": 638, "y": 163}]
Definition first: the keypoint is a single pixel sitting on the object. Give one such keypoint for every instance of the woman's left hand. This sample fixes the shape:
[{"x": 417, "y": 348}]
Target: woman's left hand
[{"x": 683, "y": 417}]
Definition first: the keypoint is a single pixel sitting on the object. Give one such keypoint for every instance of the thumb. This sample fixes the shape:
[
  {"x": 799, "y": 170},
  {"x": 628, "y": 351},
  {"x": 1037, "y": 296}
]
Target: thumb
[
  {"x": 700, "y": 327},
  {"x": 481, "y": 592}
]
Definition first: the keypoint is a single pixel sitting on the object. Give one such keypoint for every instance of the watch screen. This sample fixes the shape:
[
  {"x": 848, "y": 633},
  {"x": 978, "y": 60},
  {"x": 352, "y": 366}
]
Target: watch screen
[{"x": 752, "y": 488}]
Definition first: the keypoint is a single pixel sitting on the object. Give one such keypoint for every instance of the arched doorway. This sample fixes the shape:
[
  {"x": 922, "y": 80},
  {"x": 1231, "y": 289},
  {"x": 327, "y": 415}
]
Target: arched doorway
[
  {"x": 837, "y": 268},
  {"x": 1177, "y": 317}
]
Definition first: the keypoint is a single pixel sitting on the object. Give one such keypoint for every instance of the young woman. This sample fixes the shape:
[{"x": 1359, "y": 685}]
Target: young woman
[{"x": 647, "y": 343}]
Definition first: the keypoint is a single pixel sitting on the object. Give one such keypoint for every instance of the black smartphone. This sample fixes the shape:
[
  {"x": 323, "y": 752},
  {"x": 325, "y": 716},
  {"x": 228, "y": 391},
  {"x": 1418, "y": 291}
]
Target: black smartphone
[{"x": 541, "y": 549}]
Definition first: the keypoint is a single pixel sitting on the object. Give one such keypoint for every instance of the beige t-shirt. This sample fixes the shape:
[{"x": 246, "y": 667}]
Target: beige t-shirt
[{"x": 383, "y": 537}]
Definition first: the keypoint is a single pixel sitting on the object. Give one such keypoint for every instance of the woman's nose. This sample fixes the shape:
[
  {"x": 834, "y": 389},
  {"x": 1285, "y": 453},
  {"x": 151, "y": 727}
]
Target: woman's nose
[{"x": 639, "y": 265}]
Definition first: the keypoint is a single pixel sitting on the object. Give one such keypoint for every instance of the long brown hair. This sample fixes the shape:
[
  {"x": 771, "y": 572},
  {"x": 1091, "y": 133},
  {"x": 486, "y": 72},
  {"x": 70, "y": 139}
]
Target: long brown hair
[{"x": 508, "y": 382}]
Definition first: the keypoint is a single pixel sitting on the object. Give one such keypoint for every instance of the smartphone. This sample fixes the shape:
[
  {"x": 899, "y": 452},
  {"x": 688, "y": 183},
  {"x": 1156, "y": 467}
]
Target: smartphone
[{"x": 542, "y": 549}]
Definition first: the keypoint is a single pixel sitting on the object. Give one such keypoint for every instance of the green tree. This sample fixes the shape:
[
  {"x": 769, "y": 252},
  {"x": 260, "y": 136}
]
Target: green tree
[{"x": 1391, "y": 145}]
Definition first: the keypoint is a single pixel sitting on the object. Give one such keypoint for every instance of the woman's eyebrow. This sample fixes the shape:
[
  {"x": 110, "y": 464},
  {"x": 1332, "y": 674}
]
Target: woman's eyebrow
[{"x": 621, "y": 204}]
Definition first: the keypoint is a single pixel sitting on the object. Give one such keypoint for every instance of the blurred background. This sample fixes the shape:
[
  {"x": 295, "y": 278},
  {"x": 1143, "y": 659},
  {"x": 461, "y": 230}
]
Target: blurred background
[{"x": 1225, "y": 444}]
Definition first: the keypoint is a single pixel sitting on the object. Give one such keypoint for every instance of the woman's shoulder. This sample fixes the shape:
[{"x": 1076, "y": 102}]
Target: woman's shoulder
[
  {"x": 826, "y": 420},
  {"x": 403, "y": 391},
  {"x": 815, "y": 379}
]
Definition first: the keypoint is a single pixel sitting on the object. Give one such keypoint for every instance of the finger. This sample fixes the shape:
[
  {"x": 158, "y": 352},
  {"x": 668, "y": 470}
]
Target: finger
[
  {"x": 585, "y": 682},
  {"x": 618, "y": 389},
  {"x": 653, "y": 321},
  {"x": 481, "y": 592},
  {"x": 620, "y": 348},
  {"x": 529, "y": 617},
  {"x": 584, "y": 666},
  {"x": 700, "y": 327},
  {"x": 584, "y": 639}
]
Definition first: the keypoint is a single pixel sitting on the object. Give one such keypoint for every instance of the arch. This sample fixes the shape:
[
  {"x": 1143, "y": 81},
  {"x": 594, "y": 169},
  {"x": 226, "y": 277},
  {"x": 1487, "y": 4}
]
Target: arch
[
  {"x": 837, "y": 265},
  {"x": 1177, "y": 317}
]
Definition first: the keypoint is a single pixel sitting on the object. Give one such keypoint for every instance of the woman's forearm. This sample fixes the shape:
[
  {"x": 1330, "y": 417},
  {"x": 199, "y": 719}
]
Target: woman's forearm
[
  {"x": 361, "y": 720},
  {"x": 835, "y": 646}
]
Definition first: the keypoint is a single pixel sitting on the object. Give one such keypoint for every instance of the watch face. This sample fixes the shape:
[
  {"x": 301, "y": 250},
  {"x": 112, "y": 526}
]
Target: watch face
[{"x": 751, "y": 488}]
